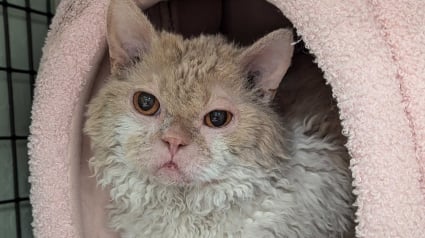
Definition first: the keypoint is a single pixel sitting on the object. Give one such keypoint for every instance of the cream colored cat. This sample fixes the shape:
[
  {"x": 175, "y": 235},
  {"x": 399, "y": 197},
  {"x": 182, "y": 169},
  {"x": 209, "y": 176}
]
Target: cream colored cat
[{"x": 184, "y": 134}]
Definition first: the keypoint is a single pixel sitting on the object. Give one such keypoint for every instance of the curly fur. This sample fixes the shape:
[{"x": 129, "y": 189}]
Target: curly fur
[
  {"x": 262, "y": 176},
  {"x": 306, "y": 195}
]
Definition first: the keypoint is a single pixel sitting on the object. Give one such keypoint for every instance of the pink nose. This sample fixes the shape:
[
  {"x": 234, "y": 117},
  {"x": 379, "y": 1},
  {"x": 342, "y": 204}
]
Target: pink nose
[
  {"x": 175, "y": 138},
  {"x": 174, "y": 144}
]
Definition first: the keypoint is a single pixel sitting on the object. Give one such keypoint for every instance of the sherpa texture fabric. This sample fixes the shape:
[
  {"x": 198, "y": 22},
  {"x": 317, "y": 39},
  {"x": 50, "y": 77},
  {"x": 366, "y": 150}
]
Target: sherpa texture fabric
[
  {"x": 373, "y": 56},
  {"x": 73, "y": 48}
]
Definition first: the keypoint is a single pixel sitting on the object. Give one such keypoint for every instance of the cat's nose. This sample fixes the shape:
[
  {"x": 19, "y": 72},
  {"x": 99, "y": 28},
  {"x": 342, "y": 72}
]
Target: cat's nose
[
  {"x": 174, "y": 144},
  {"x": 175, "y": 138}
]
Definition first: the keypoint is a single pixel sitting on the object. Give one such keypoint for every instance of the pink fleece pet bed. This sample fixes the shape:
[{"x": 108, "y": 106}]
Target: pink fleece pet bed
[{"x": 372, "y": 54}]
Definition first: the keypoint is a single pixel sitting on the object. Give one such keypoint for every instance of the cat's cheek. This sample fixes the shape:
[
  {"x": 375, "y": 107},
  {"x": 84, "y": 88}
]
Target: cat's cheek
[
  {"x": 193, "y": 161},
  {"x": 157, "y": 156},
  {"x": 217, "y": 159},
  {"x": 135, "y": 135},
  {"x": 215, "y": 139}
]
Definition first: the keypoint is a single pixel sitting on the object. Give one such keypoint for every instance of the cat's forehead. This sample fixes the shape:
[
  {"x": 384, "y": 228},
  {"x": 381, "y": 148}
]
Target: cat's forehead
[
  {"x": 199, "y": 60},
  {"x": 186, "y": 73}
]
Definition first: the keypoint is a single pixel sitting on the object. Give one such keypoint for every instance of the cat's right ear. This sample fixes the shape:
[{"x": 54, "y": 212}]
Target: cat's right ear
[
  {"x": 129, "y": 33},
  {"x": 267, "y": 60}
]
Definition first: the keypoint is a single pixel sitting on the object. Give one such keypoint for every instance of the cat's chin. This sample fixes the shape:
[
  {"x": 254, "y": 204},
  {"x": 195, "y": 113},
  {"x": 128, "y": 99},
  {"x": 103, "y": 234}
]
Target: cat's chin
[{"x": 170, "y": 174}]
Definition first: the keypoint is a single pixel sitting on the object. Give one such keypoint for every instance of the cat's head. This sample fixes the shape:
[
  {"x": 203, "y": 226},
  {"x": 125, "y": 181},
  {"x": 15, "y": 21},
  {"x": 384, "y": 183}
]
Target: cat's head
[{"x": 187, "y": 111}]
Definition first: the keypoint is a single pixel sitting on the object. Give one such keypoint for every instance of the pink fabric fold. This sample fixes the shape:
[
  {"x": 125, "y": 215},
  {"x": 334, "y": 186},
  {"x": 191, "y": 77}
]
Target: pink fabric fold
[
  {"x": 74, "y": 46},
  {"x": 365, "y": 56},
  {"x": 373, "y": 56}
]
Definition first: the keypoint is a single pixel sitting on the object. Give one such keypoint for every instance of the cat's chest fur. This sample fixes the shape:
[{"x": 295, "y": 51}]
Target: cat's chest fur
[
  {"x": 307, "y": 197},
  {"x": 205, "y": 213},
  {"x": 166, "y": 220}
]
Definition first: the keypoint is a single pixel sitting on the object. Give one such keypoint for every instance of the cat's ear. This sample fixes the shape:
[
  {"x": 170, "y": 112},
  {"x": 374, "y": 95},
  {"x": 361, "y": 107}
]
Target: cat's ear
[
  {"x": 267, "y": 60},
  {"x": 129, "y": 33}
]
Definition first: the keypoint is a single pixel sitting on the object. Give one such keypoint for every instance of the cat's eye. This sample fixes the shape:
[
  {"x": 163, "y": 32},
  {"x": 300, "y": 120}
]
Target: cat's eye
[
  {"x": 145, "y": 103},
  {"x": 218, "y": 118}
]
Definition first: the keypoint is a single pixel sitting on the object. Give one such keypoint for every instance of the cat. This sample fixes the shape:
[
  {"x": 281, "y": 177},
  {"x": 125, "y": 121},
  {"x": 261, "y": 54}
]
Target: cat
[{"x": 185, "y": 135}]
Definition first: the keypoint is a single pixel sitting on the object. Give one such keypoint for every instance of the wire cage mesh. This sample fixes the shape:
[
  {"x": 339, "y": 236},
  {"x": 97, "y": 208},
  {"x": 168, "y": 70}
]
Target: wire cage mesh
[{"x": 23, "y": 27}]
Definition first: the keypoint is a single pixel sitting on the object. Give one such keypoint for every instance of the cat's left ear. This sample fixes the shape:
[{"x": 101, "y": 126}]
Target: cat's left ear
[
  {"x": 129, "y": 33},
  {"x": 267, "y": 60}
]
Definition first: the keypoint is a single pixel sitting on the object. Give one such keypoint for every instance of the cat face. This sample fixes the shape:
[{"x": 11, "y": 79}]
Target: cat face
[
  {"x": 184, "y": 111},
  {"x": 164, "y": 111}
]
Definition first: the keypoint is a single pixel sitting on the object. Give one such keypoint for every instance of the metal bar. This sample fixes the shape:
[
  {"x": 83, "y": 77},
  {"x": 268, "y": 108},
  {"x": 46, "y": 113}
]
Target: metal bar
[
  {"x": 22, "y": 71},
  {"x": 49, "y": 12},
  {"x": 13, "y": 137},
  {"x": 9, "y": 71},
  {"x": 12, "y": 119},
  {"x": 16, "y": 200},
  {"x": 6, "y": 4},
  {"x": 30, "y": 48}
]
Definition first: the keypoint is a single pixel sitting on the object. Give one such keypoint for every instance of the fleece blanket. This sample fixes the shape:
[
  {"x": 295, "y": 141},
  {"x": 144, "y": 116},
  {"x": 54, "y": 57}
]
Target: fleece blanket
[{"x": 372, "y": 54}]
